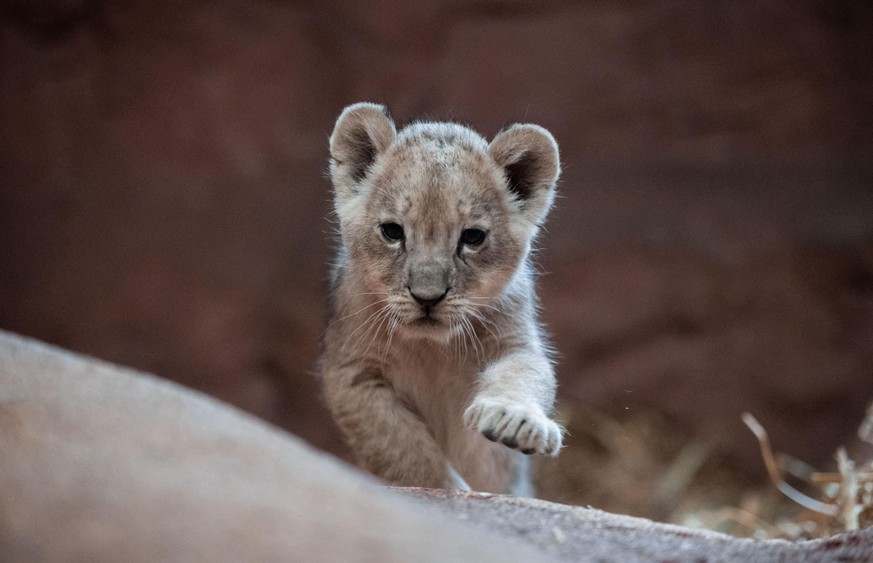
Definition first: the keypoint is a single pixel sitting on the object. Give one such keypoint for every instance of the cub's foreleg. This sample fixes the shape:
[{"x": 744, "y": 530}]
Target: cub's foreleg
[
  {"x": 514, "y": 398},
  {"x": 387, "y": 437}
]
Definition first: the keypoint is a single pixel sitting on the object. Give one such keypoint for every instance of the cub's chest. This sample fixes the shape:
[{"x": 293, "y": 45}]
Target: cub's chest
[{"x": 432, "y": 378}]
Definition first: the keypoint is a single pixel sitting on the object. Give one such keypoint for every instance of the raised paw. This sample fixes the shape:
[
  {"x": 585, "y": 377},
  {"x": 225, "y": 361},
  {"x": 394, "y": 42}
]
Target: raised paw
[{"x": 521, "y": 427}]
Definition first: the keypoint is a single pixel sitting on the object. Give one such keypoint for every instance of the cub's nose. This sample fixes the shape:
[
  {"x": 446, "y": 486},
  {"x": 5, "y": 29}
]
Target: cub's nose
[{"x": 428, "y": 299}]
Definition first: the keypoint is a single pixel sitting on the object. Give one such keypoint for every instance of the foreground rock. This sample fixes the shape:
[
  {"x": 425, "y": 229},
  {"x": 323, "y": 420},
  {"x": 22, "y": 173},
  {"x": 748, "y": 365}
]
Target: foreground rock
[
  {"x": 573, "y": 533},
  {"x": 104, "y": 464},
  {"x": 100, "y": 463}
]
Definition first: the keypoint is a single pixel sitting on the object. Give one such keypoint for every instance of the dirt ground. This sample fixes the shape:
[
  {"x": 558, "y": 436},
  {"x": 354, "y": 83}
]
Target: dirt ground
[{"x": 641, "y": 465}]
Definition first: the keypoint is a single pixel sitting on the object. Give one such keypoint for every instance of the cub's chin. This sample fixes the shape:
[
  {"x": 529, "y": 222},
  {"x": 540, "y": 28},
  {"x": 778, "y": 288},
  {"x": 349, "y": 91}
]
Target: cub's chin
[{"x": 427, "y": 327}]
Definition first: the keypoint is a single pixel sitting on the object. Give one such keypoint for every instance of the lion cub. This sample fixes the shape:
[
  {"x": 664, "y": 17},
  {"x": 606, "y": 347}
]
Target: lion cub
[{"x": 433, "y": 343}]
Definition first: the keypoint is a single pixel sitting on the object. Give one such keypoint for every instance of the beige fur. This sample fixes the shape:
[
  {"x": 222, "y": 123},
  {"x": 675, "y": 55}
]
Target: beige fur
[{"x": 433, "y": 339}]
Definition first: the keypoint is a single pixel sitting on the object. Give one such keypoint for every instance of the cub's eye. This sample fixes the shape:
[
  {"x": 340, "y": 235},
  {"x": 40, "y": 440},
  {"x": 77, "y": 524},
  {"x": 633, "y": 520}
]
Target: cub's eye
[
  {"x": 473, "y": 237},
  {"x": 392, "y": 231}
]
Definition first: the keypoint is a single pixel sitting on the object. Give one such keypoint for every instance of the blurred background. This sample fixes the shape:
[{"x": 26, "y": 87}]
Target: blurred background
[{"x": 164, "y": 205}]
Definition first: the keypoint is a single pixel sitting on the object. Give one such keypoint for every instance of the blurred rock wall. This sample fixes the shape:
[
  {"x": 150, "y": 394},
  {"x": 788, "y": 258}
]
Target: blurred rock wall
[{"x": 163, "y": 200}]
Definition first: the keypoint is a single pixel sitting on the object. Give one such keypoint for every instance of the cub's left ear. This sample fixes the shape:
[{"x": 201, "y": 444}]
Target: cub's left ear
[{"x": 529, "y": 157}]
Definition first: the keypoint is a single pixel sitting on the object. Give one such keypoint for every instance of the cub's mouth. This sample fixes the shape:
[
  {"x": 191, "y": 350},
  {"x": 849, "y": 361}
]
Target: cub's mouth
[
  {"x": 427, "y": 321},
  {"x": 427, "y": 325}
]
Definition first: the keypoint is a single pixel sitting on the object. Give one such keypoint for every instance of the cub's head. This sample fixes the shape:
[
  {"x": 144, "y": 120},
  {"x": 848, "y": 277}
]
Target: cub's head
[{"x": 435, "y": 220}]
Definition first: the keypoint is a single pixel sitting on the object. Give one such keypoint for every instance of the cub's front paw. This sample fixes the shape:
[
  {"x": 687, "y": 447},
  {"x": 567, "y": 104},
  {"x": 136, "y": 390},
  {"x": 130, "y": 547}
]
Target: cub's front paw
[{"x": 522, "y": 427}]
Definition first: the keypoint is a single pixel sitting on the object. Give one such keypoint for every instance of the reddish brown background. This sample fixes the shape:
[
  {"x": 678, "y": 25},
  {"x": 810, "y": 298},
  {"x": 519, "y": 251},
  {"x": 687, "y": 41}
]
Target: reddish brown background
[{"x": 163, "y": 200}]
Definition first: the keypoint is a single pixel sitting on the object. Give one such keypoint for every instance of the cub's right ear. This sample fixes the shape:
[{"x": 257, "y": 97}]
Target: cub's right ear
[{"x": 361, "y": 133}]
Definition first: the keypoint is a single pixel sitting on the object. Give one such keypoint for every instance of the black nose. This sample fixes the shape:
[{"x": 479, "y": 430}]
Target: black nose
[{"x": 428, "y": 299}]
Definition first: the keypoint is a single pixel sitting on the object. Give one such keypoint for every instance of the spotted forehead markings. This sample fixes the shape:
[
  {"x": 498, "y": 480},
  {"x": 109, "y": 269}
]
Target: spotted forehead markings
[
  {"x": 425, "y": 156},
  {"x": 437, "y": 200},
  {"x": 440, "y": 141},
  {"x": 434, "y": 155}
]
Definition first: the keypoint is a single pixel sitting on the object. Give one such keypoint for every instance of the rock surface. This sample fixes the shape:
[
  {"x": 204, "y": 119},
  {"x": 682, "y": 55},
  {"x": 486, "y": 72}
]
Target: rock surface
[
  {"x": 571, "y": 533},
  {"x": 101, "y": 463}
]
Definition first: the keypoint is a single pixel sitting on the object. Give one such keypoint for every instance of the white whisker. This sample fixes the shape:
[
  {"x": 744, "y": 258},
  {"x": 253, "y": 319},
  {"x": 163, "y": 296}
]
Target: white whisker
[
  {"x": 485, "y": 322},
  {"x": 358, "y": 311},
  {"x": 376, "y": 328},
  {"x": 373, "y": 317},
  {"x": 392, "y": 327},
  {"x": 464, "y": 335},
  {"x": 474, "y": 338}
]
